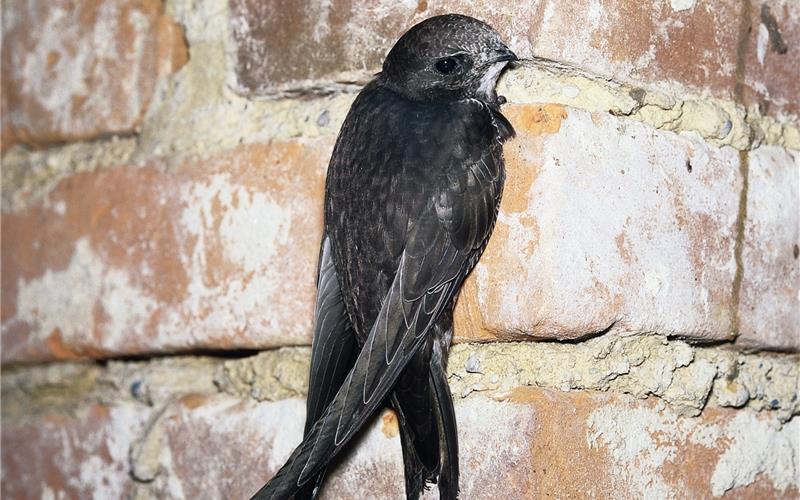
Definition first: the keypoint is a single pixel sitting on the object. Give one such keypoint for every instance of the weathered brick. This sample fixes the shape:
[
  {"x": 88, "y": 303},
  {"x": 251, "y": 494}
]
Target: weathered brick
[
  {"x": 659, "y": 45},
  {"x": 607, "y": 222},
  {"x": 604, "y": 221},
  {"x": 769, "y": 304},
  {"x": 533, "y": 444},
  {"x": 81, "y": 456},
  {"x": 79, "y": 70},
  {"x": 214, "y": 254},
  {"x": 287, "y": 42},
  {"x": 650, "y": 43},
  {"x": 772, "y": 73}
]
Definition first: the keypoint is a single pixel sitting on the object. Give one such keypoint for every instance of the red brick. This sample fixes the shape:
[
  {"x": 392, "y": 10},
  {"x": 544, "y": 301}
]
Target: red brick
[
  {"x": 772, "y": 73},
  {"x": 528, "y": 446},
  {"x": 603, "y": 222},
  {"x": 644, "y": 42},
  {"x": 641, "y": 43},
  {"x": 214, "y": 254},
  {"x": 79, "y": 70},
  {"x": 769, "y": 304},
  {"x": 81, "y": 456},
  {"x": 525, "y": 444},
  {"x": 285, "y": 42}
]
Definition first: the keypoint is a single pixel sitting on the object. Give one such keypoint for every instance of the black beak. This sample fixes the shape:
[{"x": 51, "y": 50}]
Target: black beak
[{"x": 504, "y": 54}]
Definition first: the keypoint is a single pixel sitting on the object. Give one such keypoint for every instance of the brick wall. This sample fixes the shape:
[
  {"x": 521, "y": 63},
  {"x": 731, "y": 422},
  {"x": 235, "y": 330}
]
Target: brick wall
[{"x": 632, "y": 330}]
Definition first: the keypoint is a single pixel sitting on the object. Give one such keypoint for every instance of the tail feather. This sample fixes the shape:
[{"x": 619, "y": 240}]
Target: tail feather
[
  {"x": 427, "y": 420},
  {"x": 413, "y": 401},
  {"x": 448, "y": 442}
]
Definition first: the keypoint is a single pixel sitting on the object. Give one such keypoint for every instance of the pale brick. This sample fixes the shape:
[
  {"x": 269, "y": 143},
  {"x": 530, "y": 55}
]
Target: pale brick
[
  {"x": 769, "y": 304},
  {"x": 80, "y": 456},
  {"x": 531, "y": 445},
  {"x": 607, "y": 222},
  {"x": 214, "y": 254},
  {"x": 79, "y": 70}
]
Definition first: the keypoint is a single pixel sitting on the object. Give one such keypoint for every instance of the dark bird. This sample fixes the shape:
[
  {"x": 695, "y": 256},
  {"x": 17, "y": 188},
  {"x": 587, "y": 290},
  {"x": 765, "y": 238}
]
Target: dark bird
[{"x": 411, "y": 197}]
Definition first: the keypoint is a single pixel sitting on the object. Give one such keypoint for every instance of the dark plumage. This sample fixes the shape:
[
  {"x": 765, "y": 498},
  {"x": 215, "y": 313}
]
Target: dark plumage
[{"x": 413, "y": 189}]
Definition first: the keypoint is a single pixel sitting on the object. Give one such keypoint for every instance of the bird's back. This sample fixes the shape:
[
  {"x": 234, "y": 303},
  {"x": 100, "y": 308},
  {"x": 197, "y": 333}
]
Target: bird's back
[{"x": 394, "y": 163}]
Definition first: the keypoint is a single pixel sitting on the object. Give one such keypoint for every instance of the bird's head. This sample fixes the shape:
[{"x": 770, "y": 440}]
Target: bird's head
[{"x": 447, "y": 57}]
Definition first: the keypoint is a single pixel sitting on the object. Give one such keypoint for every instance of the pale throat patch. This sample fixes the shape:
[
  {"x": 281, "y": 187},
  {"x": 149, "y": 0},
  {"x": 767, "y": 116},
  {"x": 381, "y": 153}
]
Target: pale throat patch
[{"x": 489, "y": 80}]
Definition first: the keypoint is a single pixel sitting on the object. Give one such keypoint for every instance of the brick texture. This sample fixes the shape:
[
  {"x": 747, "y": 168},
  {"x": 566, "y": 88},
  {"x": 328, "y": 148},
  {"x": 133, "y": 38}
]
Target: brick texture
[
  {"x": 603, "y": 222},
  {"x": 607, "y": 222},
  {"x": 536, "y": 443},
  {"x": 217, "y": 254},
  {"x": 268, "y": 39},
  {"x": 720, "y": 42},
  {"x": 197, "y": 234},
  {"x": 79, "y": 70},
  {"x": 528, "y": 443},
  {"x": 81, "y": 456},
  {"x": 770, "y": 297},
  {"x": 772, "y": 75}
]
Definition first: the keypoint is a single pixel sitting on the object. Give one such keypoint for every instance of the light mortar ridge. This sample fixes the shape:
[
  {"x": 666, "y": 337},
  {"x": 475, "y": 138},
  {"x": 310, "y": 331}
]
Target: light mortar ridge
[{"x": 685, "y": 377}]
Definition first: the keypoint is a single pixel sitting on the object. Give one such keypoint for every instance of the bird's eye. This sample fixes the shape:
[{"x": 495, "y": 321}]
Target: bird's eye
[{"x": 447, "y": 65}]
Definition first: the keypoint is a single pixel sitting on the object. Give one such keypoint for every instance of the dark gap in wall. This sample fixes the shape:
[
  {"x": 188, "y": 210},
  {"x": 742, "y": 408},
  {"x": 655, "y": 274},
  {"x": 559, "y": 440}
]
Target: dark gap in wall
[
  {"x": 54, "y": 145},
  {"x": 551, "y": 340},
  {"x": 207, "y": 353},
  {"x": 224, "y": 354},
  {"x": 745, "y": 35}
]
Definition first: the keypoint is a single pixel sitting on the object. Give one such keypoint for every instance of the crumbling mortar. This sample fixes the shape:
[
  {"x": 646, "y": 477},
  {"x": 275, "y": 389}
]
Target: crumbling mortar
[
  {"x": 29, "y": 174},
  {"x": 679, "y": 376},
  {"x": 144, "y": 452},
  {"x": 269, "y": 376},
  {"x": 717, "y": 121},
  {"x": 32, "y": 390},
  {"x": 685, "y": 377}
]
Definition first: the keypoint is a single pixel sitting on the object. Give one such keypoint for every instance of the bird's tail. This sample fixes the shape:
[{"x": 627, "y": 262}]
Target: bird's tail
[
  {"x": 448, "y": 440},
  {"x": 396, "y": 337},
  {"x": 427, "y": 423}
]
